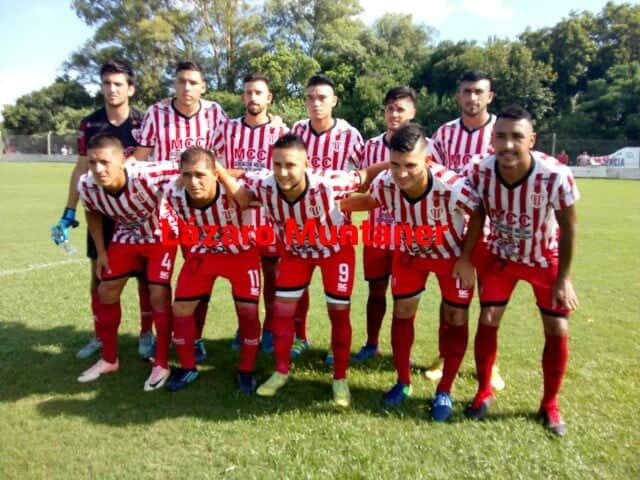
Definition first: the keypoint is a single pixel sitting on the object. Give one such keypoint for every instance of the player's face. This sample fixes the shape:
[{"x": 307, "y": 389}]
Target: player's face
[
  {"x": 320, "y": 100},
  {"x": 116, "y": 89},
  {"x": 474, "y": 97},
  {"x": 107, "y": 166},
  {"x": 189, "y": 86},
  {"x": 512, "y": 142},
  {"x": 289, "y": 165},
  {"x": 409, "y": 169},
  {"x": 256, "y": 97},
  {"x": 199, "y": 180},
  {"x": 398, "y": 113}
]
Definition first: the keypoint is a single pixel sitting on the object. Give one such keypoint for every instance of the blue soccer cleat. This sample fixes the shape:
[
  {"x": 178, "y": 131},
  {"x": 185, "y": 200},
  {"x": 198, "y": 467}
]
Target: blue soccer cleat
[
  {"x": 182, "y": 379},
  {"x": 441, "y": 407},
  {"x": 246, "y": 382},
  {"x": 200, "y": 351},
  {"x": 367, "y": 352},
  {"x": 394, "y": 397}
]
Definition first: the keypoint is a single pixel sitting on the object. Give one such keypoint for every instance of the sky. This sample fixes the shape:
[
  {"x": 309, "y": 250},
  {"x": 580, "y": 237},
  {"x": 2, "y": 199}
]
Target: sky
[{"x": 37, "y": 36}]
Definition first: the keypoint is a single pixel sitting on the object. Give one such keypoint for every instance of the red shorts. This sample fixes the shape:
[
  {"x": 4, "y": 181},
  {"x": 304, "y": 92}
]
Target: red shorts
[
  {"x": 499, "y": 279},
  {"x": 377, "y": 263},
  {"x": 409, "y": 277},
  {"x": 155, "y": 260},
  {"x": 200, "y": 271},
  {"x": 273, "y": 250},
  {"x": 294, "y": 274}
]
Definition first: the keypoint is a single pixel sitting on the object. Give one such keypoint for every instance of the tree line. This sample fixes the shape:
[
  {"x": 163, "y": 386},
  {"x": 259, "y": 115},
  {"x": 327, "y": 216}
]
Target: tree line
[{"x": 580, "y": 77}]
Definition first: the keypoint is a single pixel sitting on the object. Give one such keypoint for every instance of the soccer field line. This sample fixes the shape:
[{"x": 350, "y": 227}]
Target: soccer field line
[{"x": 39, "y": 266}]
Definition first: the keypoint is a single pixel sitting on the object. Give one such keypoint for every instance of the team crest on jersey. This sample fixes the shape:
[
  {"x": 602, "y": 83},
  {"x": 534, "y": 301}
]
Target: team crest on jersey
[
  {"x": 436, "y": 212},
  {"x": 140, "y": 197},
  {"x": 314, "y": 210},
  {"x": 536, "y": 199},
  {"x": 337, "y": 145},
  {"x": 229, "y": 214}
]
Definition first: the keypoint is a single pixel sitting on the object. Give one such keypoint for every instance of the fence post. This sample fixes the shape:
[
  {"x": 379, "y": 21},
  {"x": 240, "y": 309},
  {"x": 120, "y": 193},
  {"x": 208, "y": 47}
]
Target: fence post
[
  {"x": 553, "y": 145},
  {"x": 49, "y": 143}
]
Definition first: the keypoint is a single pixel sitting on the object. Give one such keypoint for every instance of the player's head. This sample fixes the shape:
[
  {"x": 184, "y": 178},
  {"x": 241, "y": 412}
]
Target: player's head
[
  {"x": 106, "y": 160},
  {"x": 474, "y": 93},
  {"x": 290, "y": 161},
  {"x": 256, "y": 95},
  {"x": 189, "y": 83},
  {"x": 117, "y": 82},
  {"x": 408, "y": 147},
  {"x": 320, "y": 97},
  {"x": 399, "y": 107},
  {"x": 513, "y": 137},
  {"x": 198, "y": 174}
]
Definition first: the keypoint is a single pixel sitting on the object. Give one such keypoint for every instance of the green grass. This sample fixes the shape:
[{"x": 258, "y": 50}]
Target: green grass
[{"x": 53, "y": 427}]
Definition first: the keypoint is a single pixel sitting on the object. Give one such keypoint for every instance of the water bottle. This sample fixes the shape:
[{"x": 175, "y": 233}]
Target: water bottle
[{"x": 58, "y": 237}]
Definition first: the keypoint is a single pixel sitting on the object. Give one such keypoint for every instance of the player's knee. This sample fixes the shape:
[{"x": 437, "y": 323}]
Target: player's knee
[
  {"x": 556, "y": 326},
  {"x": 405, "y": 308},
  {"x": 108, "y": 292},
  {"x": 455, "y": 316},
  {"x": 491, "y": 315}
]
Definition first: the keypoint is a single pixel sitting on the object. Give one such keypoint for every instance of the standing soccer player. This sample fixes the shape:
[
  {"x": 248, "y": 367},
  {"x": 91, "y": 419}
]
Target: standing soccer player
[
  {"x": 119, "y": 119},
  {"x": 218, "y": 250},
  {"x": 332, "y": 144},
  {"x": 246, "y": 143},
  {"x": 130, "y": 195},
  {"x": 399, "y": 109},
  {"x": 453, "y": 145},
  {"x": 303, "y": 205},
  {"x": 529, "y": 199}
]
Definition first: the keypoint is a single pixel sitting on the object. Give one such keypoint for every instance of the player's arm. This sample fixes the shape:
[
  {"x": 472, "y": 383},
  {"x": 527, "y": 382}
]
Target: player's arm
[
  {"x": 358, "y": 202},
  {"x": 94, "y": 223},
  {"x": 140, "y": 153},
  {"x": 60, "y": 231},
  {"x": 240, "y": 194},
  {"x": 368, "y": 174},
  {"x": 463, "y": 269},
  {"x": 563, "y": 291}
]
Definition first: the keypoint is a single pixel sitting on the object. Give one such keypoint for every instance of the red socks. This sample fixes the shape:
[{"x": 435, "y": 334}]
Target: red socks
[
  {"x": 106, "y": 323},
  {"x": 300, "y": 315},
  {"x": 146, "y": 319},
  {"x": 486, "y": 348},
  {"x": 184, "y": 336},
  {"x": 376, "y": 307},
  {"x": 200, "y": 315},
  {"x": 249, "y": 324},
  {"x": 554, "y": 364},
  {"x": 455, "y": 339},
  {"x": 402, "y": 334},
  {"x": 162, "y": 320},
  {"x": 282, "y": 328},
  {"x": 340, "y": 341}
]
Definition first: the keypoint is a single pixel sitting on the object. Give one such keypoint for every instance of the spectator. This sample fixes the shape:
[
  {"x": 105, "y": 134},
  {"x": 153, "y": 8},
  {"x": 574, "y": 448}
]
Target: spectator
[
  {"x": 563, "y": 157},
  {"x": 583, "y": 159}
]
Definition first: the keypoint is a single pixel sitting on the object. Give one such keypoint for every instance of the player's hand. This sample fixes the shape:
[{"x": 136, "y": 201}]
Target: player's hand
[
  {"x": 102, "y": 265},
  {"x": 276, "y": 121},
  {"x": 464, "y": 271},
  {"x": 563, "y": 295},
  {"x": 60, "y": 231}
]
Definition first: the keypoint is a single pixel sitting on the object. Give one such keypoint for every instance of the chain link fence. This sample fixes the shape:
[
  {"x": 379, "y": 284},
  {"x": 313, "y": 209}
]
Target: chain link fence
[{"x": 49, "y": 143}]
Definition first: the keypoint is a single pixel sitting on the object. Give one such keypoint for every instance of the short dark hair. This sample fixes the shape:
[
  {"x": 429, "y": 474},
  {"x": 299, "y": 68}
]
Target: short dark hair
[
  {"x": 515, "y": 112},
  {"x": 398, "y": 93},
  {"x": 193, "y": 154},
  {"x": 190, "y": 65},
  {"x": 118, "y": 66},
  {"x": 321, "y": 79},
  {"x": 255, "y": 77},
  {"x": 290, "y": 141},
  {"x": 105, "y": 140},
  {"x": 474, "y": 76},
  {"x": 407, "y": 137}
]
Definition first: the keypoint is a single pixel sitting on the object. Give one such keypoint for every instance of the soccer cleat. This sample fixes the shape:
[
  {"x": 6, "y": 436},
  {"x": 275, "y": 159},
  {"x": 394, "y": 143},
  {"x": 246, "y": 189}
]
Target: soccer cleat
[
  {"x": 434, "y": 371},
  {"x": 246, "y": 382},
  {"x": 552, "y": 421},
  {"x": 236, "y": 343},
  {"x": 329, "y": 358},
  {"x": 97, "y": 369},
  {"x": 497, "y": 383},
  {"x": 477, "y": 409},
  {"x": 181, "y": 379},
  {"x": 89, "y": 349},
  {"x": 441, "y": 407},
  {"x": 201, "y": 352},
  {"x": 396, "y": 395},
  {"x": 266, "y": 346},
  {"x": 271, "y": 386},
  {"x": 366, "y": 352},
  {"x": 341, "y": 393},
  {"x": 147, "y": 345},
  {"x": 157, "y": 379},
  {"x": 299, "y": 347}
]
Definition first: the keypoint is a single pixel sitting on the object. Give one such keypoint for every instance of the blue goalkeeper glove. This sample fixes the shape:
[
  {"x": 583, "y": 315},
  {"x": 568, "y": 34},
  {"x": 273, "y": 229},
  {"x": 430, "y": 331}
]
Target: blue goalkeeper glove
[{"x": 60, "y": 231}]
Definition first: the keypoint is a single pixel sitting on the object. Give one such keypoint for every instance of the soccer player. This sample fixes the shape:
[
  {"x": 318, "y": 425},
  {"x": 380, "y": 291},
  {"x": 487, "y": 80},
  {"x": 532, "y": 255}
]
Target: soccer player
[
  {"x": 218, "y": 250},
  {"x": 529, "y": 199},
  {"x": 453, "y": 145},
  {"x": 129, "y": 194},
  {"x": 331, "y": 144},
  {"x": 399, "y": 109},
  {"x": 245, "y": 143},
  {"x": 119, "y": 119},
  {"x": 303, "y": 205},
  {"x": 429, "y": 203},
  {"x": 171, "y": 126}
]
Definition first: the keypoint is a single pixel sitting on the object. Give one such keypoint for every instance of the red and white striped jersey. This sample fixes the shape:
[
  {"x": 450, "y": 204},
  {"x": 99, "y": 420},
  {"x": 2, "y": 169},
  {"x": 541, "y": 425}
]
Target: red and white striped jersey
[
  {"x": 169, "y": 132},
  {"x": 136, "y": 208},
  {"x": 243, "y": 146},
  {"x": 339, "y": 148},
  {"x": 453, "y": 145},
  {"x": 315, "y": 216},
  {"x": 442, "y": 208},
  {"x": 523, "y": 226},
  {"x": 219, "y": 226},
  {"x": 376, "y": 150}
]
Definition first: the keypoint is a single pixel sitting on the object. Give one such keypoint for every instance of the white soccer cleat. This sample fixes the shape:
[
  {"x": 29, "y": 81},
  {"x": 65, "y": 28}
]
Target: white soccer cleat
[
  {"x": 157, "y": 379},
  {"x": 97, "y": 369}
]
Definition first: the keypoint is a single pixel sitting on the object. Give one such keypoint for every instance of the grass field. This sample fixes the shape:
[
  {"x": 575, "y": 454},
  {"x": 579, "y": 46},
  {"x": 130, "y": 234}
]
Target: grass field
[{"x": 53, "y": 427}]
